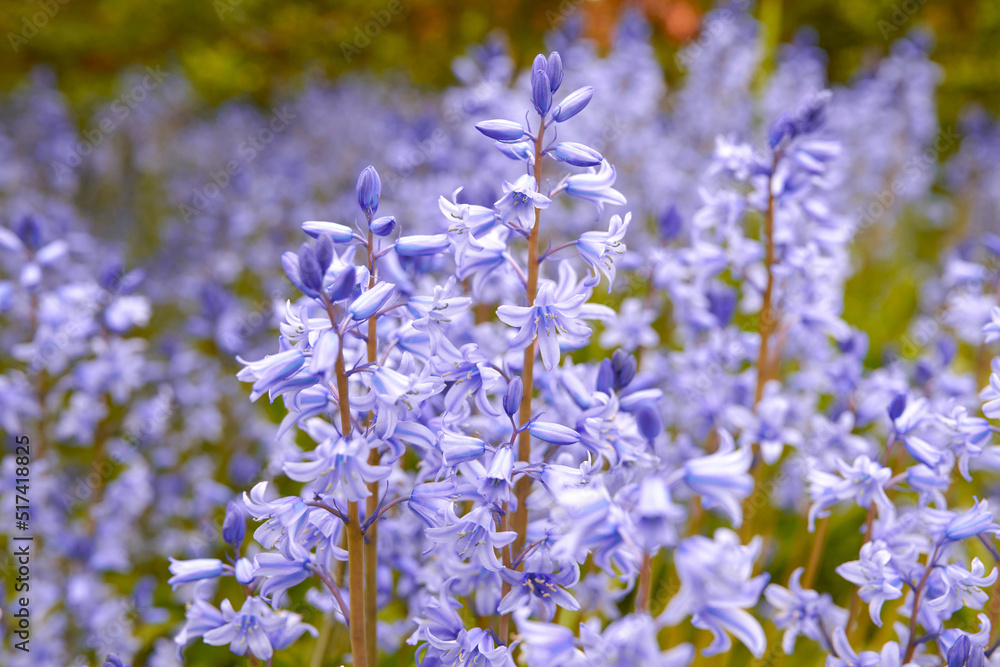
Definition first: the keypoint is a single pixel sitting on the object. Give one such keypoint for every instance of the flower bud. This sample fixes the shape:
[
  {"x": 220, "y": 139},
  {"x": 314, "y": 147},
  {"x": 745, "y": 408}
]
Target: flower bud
[
  {"x": 554, "y": 70},
  {"x": 369, "y": 303},
  {"x": 541, "y": 92},
  {"x": 324, "y": 252},
  {"x": 506, "y": 131},
  {"x": 338, "y": 233},
  {"x": 671, "y": 224},
  {"x": 383, "y": 226},
  {"x": 649, "y": 422},
  {"x": 624, "y": 366},
  {"x": 540, "y": 64},
  {"x": 29, "y": 232},
  {"x": 309, "y": 271},
  {"x": 369, "y": 190},
  {"x": 244, "y": 571},
  {"x": 574, "y": 103},
  {"x": 576, "y": 154},
  {"x": 343, "y": 286},
  {"x": 897, "y": 406},
  {"x": 512, "y": 399},
  {"x": 234, "y": 526},
  {"x": 958, "y": 655},
  {"x": 605, "y": 377},
  {"x": 521, "y": 151},
  {"x": 421, "y": 245},
  {"x": 553, "y": 433}
]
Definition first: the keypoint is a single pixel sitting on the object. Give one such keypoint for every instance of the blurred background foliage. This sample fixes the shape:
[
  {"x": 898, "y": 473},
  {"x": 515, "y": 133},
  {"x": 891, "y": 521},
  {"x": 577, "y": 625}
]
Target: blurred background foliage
[{"x": 254, "y": 48}]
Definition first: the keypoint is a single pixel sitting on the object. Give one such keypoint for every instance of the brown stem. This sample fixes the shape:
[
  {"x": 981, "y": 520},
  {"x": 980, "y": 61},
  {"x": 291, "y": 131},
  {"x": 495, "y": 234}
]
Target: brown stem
[
  {"x": 645, "y": 586},
  {"x": 768, "y": 318},
  {"x": 371, "y": 536},
  {"x": 523, "y": 485},
  {"x": 503, "y": 627},
  {"x": 355, "y": 540},
  {"x": 766, "y": 325},
  {"x": 911, "y": 646},
  {"x": 852, "y": 611},
  {"x": 812, "y": 566}
]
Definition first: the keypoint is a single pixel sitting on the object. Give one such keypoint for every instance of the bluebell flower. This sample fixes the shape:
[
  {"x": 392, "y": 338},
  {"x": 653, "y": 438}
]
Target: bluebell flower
[
  {"x": 200, "y": 617},
  {"x": 501, "y": 130},
  {"x": 977, "y": 520},
  {"x": 595, "y": 187},
  {"x": 907, "y": 427},
  {"x": 234, "y": 526},
  {"x": 990, "y": 395},
  {"x": 629, "y": 641},
  {"x": 337, "y": 232},
  {"x": 188, "y": 571},
  {"x": 547, "y": 643},
  {"x": 844, "y": 656},
  {"x": 543, "y": 588},
  {"x": 519, "y": 202},
  {"x": 599, "y": 249},
  {"x": 458, "y": 448},
  {"x": 573, "y": 104},
  {"x": 256, "y": 628},
  {"x": 467, "y": 220},
  {"x": 800, "y": 611},
  {"x": 992, "y": 328},
  {"x": 863, "y": 481},
  {"x": 422, "y": 245},
  {"x": 876, "y": 577},
  {"x": 575, "y": 154},
  {"x": 474, "y": 536},
  {"x": 550, "y": 320},
  {"x": 655, "y": 514},
  {"x": 369, "y": 190},
  {"x": 270, "y": 373},
  {"x": 722, "y": 479},
  {"x": 337, "y": 463},
  {"x": 553, "y": 433},
  {"x": 495, "y": 486},
  {"x": 281, "y": 573},
  {"x": 383, "y": 226},
  {"x": 541, "y": 92},
  {"x": 447, "y": 641},
  {"x": 717, "y": 586},
  {"x": 961, "y": 588}
]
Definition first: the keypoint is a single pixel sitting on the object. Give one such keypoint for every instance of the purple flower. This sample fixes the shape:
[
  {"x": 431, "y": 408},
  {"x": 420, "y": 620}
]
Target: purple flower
[
  {"x": 876, "y": 577},
  {"x": 519, "y": 202},
  {"x": 546, "y": 589},
  {"x": 598, "y": 249},
  {"x": 595, "y": 187},
  {"x": 552, "y": 319},
  {"x": 717, "y": 587},
  {"x": 722, "y": 479},
  {"x": 257, "y": 629}
]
